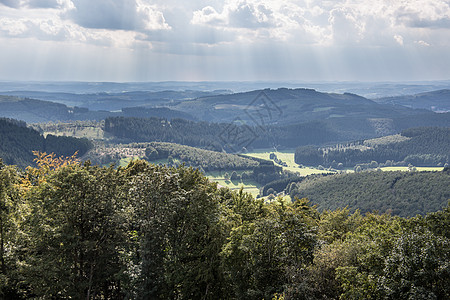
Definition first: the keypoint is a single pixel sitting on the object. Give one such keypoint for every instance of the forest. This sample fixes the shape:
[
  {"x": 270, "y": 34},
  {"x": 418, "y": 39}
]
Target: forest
[
  {"x": 71, "y": 230},
  {"x": 422, "y": 146},
  {"x": 18, "y": 143},
  {"x": 399, "y": 193},
  {"x": 231, "y": 137},
  {"x": 206, "y": 160}
]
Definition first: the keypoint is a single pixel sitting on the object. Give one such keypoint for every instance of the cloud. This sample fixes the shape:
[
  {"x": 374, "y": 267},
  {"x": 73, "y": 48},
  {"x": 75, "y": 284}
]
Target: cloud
[
  {"x": 251, "y": 20},
  {"x": 439, "y": 23},
  {"x": 245, "y": 14},
  {"x": 13, "y": 27},
  {"x": 34, "y": 3},
  {"x": 116, "y": 15},
  {"x": 250, "y": 15},
  {"x": 11, "y": 3},
  {"x": 399, "y": 39},
  {"x": 44, "y": 3},
  {"x": 58, "y": 31},
  {"x": 422, "y": 43},
  {"x": 208, "y": 15},
  {"x": 346, "y": 27}
]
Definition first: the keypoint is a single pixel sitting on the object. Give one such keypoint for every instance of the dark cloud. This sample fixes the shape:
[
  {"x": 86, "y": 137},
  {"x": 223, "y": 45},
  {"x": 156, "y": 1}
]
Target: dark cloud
[
  {"x": 105, "y": 14},
  {"x": 43, "y": 4},
  {"x": 423, "y": 23},
  {"x": 11, "y": 3}
]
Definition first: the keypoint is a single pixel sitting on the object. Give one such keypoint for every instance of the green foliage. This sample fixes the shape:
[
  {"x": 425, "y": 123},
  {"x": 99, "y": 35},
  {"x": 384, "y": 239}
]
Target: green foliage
[
  {"x": 11, "y": 214},
  {"x": 399, "y": 193},
  {"x": 417, "y": 268},
  {"x": 267, "y": 252},
  {"x": 76, "y": 231},
  {"x": 77, "y": 234},
  {"x": 179, "y": 233}
]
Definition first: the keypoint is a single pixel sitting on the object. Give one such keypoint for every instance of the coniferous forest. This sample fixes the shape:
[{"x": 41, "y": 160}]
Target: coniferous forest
[{"x": 71, "y": 230}]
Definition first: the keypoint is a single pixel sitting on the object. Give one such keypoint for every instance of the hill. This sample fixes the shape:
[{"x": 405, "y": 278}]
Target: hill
[
  {"x": 399, "y": 193},
  {"x": 233, "y": 137},
  {"x": 31, "y": 110},
  {"x": 114, "y": 101},
  {"x": 17, "y": 143},
  {"x": 40, "y": 111},
  {"x": 438, "y": 101},
  {"x": 288, "y": 106},
  {"x": 198, "y": 158},
  {"x": 424, "y": 146}
]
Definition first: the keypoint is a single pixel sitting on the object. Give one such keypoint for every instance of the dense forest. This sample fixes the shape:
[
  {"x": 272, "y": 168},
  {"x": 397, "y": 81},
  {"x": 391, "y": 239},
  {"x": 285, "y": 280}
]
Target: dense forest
[
  {"x": 233, "y": 137},
  {"x": 76, "y": 231},
  {"x": 198, "y": 158},
  {"x": 398, "y": 193},
  {"x": 423, "y": 146},
  {"x": 18, "y": 143}
]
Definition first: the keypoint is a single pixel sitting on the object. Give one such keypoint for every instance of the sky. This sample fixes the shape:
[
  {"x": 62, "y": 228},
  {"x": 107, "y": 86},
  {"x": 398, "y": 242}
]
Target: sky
[{"x": 231, "y": 40}]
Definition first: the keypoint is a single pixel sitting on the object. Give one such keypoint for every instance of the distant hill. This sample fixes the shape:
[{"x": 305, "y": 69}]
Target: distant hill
[
  {"x": 17, "y": 142},
  {"x": 438, "y": 101},
  {"x": 288, "y": 106},
  {"x": 268, "y": 118},
  {"x": 31, "y": 110},
  {"x": 106, "y": 101},
  {"x": 40, "y": 111}
]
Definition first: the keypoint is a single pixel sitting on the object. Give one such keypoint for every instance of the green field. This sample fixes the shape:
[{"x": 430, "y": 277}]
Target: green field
[
  {"x": 288, "y": 157},
  {"x": 249, "y": 186},
  {"x": 125, "y": 161}
]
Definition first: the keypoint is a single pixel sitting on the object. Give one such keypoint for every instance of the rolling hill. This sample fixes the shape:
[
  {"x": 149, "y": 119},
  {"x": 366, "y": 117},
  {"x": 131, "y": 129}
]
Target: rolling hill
[
  {"x": 438, "y": 101},
  {"x": 40, "y": 111},
  {"x": 288, "y": 106},
  {"x": 399, "y": 193}
]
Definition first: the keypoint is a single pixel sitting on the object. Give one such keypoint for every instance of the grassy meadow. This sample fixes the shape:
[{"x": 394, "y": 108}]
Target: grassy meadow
[{"x": 286, "y": 156}]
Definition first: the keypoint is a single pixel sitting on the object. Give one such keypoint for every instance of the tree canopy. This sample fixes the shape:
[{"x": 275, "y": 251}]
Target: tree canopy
[{"x": 71, "y": 230}]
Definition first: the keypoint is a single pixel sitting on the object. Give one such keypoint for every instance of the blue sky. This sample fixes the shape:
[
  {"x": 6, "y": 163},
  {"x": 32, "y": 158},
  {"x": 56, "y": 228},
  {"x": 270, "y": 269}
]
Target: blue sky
[{"x": 143, "y": 40}]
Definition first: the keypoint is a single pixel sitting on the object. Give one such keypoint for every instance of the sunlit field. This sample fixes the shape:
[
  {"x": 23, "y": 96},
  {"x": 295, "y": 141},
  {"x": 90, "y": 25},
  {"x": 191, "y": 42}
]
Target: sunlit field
[{"x": 288, "y": 157}]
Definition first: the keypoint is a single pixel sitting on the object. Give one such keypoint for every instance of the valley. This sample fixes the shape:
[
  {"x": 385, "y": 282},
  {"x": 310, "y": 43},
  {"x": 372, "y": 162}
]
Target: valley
[{"x": 221, "y": 176}]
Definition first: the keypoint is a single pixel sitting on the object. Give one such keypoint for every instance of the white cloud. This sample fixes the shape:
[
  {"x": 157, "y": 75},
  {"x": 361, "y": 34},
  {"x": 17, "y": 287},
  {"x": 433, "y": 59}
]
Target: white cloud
[
  {"x": 346, "y": 27},
  {"x": 422, "y": 43},
  {"x": 13, "y": 27},
  {"x": 214, "y": 30},
  {"x": 150, "y": 18},
  {"x": 399, "y": 39},
  {"x": 208, "y": 15}
]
